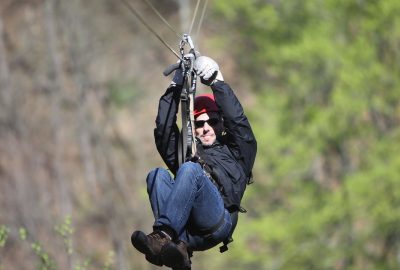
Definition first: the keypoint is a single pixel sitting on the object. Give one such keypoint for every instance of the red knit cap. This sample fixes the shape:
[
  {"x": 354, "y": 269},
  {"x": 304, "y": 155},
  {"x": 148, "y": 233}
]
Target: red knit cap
[{"x": 204, "y": 104}]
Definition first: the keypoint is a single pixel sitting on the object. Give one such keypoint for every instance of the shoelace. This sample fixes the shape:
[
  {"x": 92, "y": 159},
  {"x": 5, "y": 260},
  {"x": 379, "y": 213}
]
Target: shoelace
[{"x": 159, "y": 235}]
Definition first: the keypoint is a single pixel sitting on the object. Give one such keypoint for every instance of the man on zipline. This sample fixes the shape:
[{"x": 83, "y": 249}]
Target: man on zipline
[{"x": 198, "y": 208}]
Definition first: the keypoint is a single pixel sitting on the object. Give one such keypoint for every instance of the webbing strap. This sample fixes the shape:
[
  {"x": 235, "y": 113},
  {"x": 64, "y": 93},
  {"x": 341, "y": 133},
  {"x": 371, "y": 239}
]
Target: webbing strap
[
  {"x": 191, "y": 117},
  {"x": 210, "y": 230},
  {"x": 187, "y": 141},
  {"x": 183, "y": 139},
  {"x": 185, "y": 146}
]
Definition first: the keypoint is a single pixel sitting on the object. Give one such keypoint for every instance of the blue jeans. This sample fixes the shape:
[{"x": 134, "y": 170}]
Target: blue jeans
[{"x": 188, "y": 203}]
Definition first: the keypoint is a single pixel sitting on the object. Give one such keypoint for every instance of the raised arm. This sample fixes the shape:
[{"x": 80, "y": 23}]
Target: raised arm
[
  {"x": 240, "y": 137},
  {"x": 166, "y": 133}
]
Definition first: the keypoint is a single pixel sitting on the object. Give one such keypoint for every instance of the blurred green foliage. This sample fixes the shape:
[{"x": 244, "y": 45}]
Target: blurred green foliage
[
  {"x": 45, "y": 259},
  {"x": 3, "y": 235},
  {"x": 65, "y": 230},
  {"x": 121, "y": 94},
  {"x": 46, "y": 262},
  {"x": 327, "y": 175}
]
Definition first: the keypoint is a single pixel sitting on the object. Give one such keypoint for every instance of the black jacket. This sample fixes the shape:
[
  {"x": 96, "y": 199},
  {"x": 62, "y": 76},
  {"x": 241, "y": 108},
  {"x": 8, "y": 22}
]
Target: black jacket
[{"x": 230, "y": 159}]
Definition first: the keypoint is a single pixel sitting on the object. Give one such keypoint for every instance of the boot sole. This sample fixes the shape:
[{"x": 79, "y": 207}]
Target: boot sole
[
  {"x": 172, "y": 257},
  {"x": 139, "y": 241}
]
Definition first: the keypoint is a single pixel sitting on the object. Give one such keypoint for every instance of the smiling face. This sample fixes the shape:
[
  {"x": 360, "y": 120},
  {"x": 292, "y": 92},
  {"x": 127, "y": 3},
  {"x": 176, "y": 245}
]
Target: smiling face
[{"x": 207, "y": 127}]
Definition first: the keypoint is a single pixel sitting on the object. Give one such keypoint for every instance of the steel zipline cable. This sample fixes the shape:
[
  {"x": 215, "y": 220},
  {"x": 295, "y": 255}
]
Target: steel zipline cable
[
  {"x": 194, "y": 16},
  {"x": 143, "y": 21},
  {"x": 162, "y": 18},
  {"x": 203, "y": 12}
]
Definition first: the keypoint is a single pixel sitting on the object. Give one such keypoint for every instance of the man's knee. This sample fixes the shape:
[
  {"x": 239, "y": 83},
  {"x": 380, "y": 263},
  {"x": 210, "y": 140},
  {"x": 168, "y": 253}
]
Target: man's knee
[
  {"x": 190, "y": 167},
  {"x": 190, "y": 170},
  {"x": 157, "y": 175}
]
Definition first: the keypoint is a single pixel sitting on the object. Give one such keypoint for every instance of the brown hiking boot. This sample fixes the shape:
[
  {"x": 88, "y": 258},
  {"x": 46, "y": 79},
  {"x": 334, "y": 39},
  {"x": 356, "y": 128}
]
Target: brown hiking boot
[
  {"x": 151, "y": 244},
  {"x": 176, "y": 256}
]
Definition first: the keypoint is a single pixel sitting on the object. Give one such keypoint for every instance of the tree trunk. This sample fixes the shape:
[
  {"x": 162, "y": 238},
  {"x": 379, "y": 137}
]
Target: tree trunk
[
  {"x": 79, "y": 50},
  {"x": 56, "y": 87}
]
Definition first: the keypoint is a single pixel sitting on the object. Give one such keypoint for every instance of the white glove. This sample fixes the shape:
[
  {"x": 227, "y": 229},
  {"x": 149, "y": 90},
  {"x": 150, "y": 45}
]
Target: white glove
[{"x": 208, "y": 70}]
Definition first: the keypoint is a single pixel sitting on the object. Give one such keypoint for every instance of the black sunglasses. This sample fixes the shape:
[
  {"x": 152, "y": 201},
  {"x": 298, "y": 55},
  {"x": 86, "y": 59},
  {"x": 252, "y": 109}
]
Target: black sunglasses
[{"x": 211, "y": 122}]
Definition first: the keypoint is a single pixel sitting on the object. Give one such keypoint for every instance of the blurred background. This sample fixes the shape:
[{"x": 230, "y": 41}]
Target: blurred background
[{"x": 319, "y": 81}]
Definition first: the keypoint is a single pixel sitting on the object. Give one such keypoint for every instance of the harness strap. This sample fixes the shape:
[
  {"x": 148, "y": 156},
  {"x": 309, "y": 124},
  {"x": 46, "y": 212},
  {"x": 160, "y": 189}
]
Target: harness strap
[
  {"x": 213, "y": 229},
  {"x": 209, "y": 231},
  {"x": 229, "y": 239},
  {"x": 183, "y": 139},
  {"x": 187, "y": 145},
  {"x": 191, "y": 116}
]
